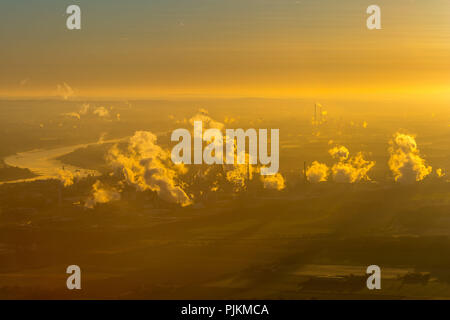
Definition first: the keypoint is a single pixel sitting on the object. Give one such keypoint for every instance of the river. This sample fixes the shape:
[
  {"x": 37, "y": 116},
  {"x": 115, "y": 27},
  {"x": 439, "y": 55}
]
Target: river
[{"x": 44, "y": 164}]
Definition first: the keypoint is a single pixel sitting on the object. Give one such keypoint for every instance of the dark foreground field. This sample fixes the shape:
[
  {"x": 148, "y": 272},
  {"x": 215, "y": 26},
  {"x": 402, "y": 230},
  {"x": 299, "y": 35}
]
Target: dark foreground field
[{"x": 313, "y": 242}]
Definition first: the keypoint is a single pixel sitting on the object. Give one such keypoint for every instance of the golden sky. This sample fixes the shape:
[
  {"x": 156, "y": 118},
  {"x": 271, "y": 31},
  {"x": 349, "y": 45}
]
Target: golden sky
[{"x": 264, "y": 48}]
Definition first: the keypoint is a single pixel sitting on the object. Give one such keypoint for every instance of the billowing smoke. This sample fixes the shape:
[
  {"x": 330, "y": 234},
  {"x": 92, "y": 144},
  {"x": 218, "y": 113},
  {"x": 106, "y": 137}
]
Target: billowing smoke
[
  {"x": 317, "y": 172},
  {"x": 72, "y": 115},
  {"x": 440, "y": 173},
  {"x": 84, "y": 109},
  {"x": 229, "y": 120},
  {"x": 101, "y": 139},
  {"x": 101, "y": 194},
  {"x": 405, "y": 161},
  {"x": 352, "y": 170},
  {"x": 66, "y": 177},
  {"x": 64, "y": 91},
  {"x": 274, "y": 182},
  {"x": 239, "y": 176},
  {"x": 147, "y": 166},
  {"x": 208, "y": 122},
  {"x": 102, "y": 112},
  {"x": 339, "y": 152}
]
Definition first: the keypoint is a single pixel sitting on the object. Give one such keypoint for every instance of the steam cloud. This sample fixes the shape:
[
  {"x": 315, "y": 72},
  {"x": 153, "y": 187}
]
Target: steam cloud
[
  {"x": 208, "y": 122},
  {"x": 239, "y": 176},
  {"x": 317, "y": 172},
  {"x": 64, "y": 91},
  {"x": 405, "y": 161},
  {"x": 339, "y": 152},
  {"x": 440, "y": 173},
  {"x": 101, "y": 194},
  {"x": 72, "y": 115},
  {"x": 147, "y": 166},
  {"x": 346, "y": 170},
  {"x": 274, "y": 182},
  {"x": 352, "y": 170},
  {"x": 66, "y": 177},
  {"x": 102, "y": 112},
  {"x": 86, "y": 110}
]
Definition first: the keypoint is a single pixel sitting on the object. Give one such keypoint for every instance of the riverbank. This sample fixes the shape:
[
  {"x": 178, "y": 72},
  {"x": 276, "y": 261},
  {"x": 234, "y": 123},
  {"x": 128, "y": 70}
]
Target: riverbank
[{"x": 45, "y": 163}]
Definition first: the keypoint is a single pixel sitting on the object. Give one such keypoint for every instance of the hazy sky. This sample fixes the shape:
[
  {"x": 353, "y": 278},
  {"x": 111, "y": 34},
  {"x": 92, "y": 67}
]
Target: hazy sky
[{"x": 276, "y": 48}]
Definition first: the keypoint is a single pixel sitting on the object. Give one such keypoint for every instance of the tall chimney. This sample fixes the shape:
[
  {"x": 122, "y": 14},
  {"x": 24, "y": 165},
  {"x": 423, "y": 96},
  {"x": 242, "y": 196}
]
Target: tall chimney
[
  {"x": 320, "y": 113},
  {"x": 304, "y": 172},
  {"x": 248, "y": 175}
]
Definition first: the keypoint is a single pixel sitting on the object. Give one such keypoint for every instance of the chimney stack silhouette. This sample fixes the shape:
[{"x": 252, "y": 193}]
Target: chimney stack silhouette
[{"x": 305, "y": 179}]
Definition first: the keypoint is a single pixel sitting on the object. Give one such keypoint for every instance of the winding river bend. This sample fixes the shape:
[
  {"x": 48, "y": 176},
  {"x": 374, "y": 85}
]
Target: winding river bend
[{"x": 44, "y": 164}]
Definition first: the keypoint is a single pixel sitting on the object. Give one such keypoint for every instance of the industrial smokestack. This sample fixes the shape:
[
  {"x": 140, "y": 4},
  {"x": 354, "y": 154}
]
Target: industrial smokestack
[
  {"x": 248, "y": 175},
  {"x": 320, "y": 114},
  {"x": 304, "y": 172}
]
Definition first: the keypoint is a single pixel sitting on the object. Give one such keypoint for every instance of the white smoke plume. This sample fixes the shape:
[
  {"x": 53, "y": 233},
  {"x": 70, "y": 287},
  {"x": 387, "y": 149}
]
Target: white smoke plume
[
  {"x": 208, "y": 122},
  {"x": 339, "y": 152},
  {"x": 405, "y": 161},
  {"x": 101, "y": 194},
  {"x": 274, "y": 182},
  {"x": 229, "y": 120},
  {"x": 101, "y": 139},
  {"x": 146, "y": 166},
  {"x": 239, "y": 176},
  {"x": 102, "y": 112},
  {"x": 72, "y": 115},
  {"x": 236, "y": 174},
  {"x": 84, "y": 109},
  {"x": 352, "y": 170},
  {"x": 317, "y": 172},
  {"x": 66, "y": 177},
  {"x": 64, "y": 91}
]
